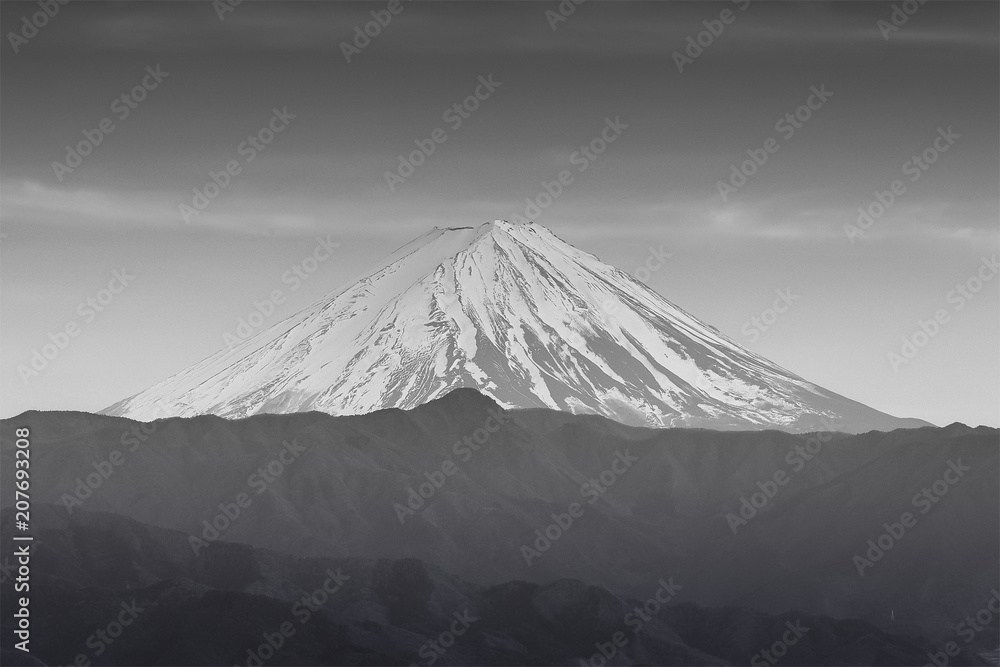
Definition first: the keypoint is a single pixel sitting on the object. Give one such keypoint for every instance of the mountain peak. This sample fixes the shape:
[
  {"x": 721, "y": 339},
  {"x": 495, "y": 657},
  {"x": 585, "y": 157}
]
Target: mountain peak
[
  {"x": 519, "y": 314},
  {"x": 498, "y": 223}
]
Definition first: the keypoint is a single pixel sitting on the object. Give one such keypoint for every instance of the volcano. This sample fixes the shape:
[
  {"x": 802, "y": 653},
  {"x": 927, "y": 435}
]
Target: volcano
[{"x": 520, "y": 315}]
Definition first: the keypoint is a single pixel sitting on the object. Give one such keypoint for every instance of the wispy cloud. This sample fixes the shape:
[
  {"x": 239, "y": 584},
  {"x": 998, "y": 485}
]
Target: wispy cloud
[
  {"x": 622, "y": 29},
  {"x": 32, "y": 203}
]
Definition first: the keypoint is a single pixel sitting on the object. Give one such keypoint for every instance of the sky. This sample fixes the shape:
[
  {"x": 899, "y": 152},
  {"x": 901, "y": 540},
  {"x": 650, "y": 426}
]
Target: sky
[{"x": 105, "y": 258}]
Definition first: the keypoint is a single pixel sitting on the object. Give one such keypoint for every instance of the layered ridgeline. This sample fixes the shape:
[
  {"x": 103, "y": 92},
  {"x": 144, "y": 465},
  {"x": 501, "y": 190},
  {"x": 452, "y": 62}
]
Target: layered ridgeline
[
  {"x": 766, "y": 520},
  {"x": 226, "y": 606},
  {"x": 519, "y": 314}
]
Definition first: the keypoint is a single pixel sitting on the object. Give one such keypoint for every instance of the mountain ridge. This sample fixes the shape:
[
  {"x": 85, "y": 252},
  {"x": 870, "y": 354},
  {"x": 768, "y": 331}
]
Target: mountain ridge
[
  {"x": 381, "y": 611},
  {"x": 669, "y": 513}
]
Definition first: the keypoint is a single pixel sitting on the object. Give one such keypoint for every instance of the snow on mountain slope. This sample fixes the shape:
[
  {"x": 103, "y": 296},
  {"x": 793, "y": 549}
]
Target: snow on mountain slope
[{"x": 522, "y": 316}]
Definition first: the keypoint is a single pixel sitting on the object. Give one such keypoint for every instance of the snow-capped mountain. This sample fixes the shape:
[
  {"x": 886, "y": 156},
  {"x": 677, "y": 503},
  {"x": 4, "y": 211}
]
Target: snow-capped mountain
[{"x": 522, "y": 316}]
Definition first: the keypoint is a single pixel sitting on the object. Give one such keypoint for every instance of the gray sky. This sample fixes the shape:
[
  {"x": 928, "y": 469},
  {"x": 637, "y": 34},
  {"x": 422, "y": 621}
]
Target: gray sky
[{"x": 656, "y": 185}]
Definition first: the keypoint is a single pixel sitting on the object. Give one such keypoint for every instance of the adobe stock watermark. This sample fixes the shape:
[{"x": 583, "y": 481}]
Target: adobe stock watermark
[
  {"x": 925, "y": 500},
  {"x": 957, "y": 298},
  {"x": 636, "y": 620},
  {"x": 302, "y": 610},
  {"x": 455, "y": 116},
  {"x": 294, "y": 276},
  {"x": 696, "y": 44},
  {"x": 364, "y": 34},
  {"x": 758, "y": 324},
  {"x": 593, "y": 489},
  {"x": 104, "y": 637},
  {"x": 581, "y": 158},
  {"x": 565, "y": 10},
  {"x": 656, "y": 259},
  {"x": 913, "y": 168},
  {"x": 779, "y": 649},
  {"x": 223, "y": 7},
  {"x": 419, "y": 499},
  {"x": 122, "y": 106},
  {"x": 433, "y": 649},
  {"x": 786, "y": 126},
  {"x": 7, "y": 569},
  {"x": 249, "y": 149},
  {"x": 259, "y": 480},
  {"x": 900, "y": 14},
  {"x": 59, "y": 340},
  {"x": 30, "y": 25},
  {"x": 796, "y": 459},
  {"x": 105, "y": 468},
  {"x": 652, "y": 421},
  {"x": 967, "y": 630}
]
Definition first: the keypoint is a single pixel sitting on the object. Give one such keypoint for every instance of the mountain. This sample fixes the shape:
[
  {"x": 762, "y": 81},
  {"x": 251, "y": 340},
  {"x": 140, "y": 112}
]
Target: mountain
[
  {"x": 766, "y": 520},
  {"x": 524, "y": 317},
  {"x": 220, "y": 608}
]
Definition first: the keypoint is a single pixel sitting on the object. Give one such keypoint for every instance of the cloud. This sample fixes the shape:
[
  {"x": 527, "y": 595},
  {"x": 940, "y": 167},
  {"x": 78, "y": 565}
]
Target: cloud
[
  {"x": 449, "y": 28},
  {"x": 28, "y": 202}
]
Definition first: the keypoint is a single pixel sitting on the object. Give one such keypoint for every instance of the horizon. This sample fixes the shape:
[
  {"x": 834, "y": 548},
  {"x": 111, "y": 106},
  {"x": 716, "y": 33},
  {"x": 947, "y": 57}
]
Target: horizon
[
  {"x": 120, "y": 246},
  {"x": 479, "y": 392}
]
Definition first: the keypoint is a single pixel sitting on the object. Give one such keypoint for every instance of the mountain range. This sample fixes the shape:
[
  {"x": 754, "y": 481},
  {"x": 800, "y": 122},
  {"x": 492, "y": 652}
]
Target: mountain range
[
  {"x": 765, "y": 520},
  {"x": 235, "y": 603}
]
